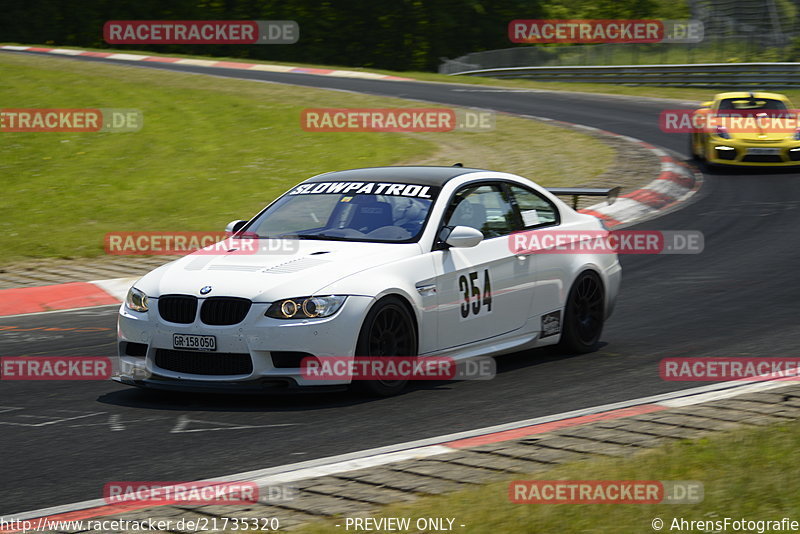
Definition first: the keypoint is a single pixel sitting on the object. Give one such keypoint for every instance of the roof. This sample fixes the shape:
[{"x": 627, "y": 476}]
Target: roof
[
  {"x": 433, "y": 176},
  {"x": 746, "y": 94}
]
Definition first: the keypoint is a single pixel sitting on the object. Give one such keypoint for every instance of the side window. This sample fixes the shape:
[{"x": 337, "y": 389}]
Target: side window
[
  {"x": 483, "y": 207},
  {"x": 533, "y": 209}
]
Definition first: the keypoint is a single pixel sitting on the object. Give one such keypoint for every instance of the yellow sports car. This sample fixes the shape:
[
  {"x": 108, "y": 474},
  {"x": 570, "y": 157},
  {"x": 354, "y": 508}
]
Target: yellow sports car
[{"x": 746, "y": 128}]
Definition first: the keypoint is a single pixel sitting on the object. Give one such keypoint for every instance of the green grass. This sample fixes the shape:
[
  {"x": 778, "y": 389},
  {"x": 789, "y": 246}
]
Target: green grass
[
  {"x": 211, "y": 150},
  {"x": 751, "y": 474}
]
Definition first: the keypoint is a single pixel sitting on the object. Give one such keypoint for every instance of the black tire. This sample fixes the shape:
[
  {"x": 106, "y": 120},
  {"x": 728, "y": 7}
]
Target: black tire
[
  {"x": 692, "y": 153},
  {"x": 584, "y": 315},
  {"x": 388, "y": 330}
]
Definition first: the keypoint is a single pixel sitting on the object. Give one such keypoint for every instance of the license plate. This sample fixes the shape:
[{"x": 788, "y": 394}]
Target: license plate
[
  {"x": 764, "y": 151},
  {"x": 194, "y": 342}
]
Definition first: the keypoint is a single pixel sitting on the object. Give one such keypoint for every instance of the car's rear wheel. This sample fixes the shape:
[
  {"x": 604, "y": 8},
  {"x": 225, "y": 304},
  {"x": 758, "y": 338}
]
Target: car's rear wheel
[
  {"x": 388, "y": 330},
  {"x": 583, "y": 315}
]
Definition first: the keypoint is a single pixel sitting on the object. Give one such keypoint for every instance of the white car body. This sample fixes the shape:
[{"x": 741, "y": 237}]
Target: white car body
[{"x": 525, "y": 289}]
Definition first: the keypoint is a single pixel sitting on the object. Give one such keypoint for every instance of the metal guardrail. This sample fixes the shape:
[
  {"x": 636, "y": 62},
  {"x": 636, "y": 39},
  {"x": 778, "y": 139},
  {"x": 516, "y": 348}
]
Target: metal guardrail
[{"x": 750, "y": 75}]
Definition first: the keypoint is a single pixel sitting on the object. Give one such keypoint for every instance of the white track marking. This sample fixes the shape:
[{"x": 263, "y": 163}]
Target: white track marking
[
  {"x": 116, "y": 287},
  {"x": 747, "y": 387},
  {"x": 181, "y": 426},
  {"x": 51, "y": 421}
]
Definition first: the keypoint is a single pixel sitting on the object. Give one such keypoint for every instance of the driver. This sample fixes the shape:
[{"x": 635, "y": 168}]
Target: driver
[{"x": 408, "y": 213}]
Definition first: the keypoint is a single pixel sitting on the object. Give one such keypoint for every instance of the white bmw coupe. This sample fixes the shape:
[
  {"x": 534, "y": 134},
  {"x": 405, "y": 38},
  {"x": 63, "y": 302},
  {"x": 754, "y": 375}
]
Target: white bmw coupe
[{"x": 375, "y": 262}]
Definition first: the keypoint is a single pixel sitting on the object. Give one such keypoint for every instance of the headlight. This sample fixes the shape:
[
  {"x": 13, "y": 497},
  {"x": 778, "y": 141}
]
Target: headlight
[
  {"x": 722, "y": 132},
  {"x": 136, "y": 300},
  {"x": 305, "y": 307}
]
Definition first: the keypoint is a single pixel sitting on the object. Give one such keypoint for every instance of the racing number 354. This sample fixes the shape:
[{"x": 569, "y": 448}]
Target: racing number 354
[{"x": 472, "y": 293}]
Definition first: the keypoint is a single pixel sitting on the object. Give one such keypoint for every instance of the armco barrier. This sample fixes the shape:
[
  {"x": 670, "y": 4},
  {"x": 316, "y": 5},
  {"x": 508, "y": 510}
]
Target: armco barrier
[{"x": 748, "y": 75}]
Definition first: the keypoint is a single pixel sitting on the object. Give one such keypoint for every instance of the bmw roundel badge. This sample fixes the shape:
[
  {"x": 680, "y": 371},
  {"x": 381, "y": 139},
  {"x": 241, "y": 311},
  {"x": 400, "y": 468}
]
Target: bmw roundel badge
[{"x": 205, "y": 290}]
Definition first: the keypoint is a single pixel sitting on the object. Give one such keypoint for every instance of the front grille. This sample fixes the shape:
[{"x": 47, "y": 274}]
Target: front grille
[
  {"x": 726, "y": 154},
  {"x": 178, "y": 308},
  {"x": 762, "y": 158},
  {"x": 794, "y": 155},
  {"x": 224, "y": 310},
  {"x": 204, "y": 363}
]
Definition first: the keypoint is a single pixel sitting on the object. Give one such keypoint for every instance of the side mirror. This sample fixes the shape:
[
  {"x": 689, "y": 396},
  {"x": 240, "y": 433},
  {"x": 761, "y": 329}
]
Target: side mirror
[
  {"x": 234, "y": 226},
  {"x": 613, "y": 194},
  {"x": 463, "y": 237}
]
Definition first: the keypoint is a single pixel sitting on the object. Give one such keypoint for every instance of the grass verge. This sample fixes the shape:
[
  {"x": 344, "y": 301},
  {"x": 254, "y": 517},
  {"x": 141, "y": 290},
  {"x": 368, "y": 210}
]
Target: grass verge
[
  {"x": 212, "y": 150},
  {"x": 749, "y": 473}
]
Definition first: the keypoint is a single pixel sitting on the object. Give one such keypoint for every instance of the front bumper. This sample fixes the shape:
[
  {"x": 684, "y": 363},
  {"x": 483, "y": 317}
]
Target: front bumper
[
  {"x": 249, "y": 387},
  {"x": 147, "y": 357},
  {"x": 735, "y": 152}
]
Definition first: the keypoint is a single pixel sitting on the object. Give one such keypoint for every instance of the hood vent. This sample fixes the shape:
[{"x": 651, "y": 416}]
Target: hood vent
[
  {"x": 240, "y": 268},
  {"x": 294, "y": 266},
  {"x": 198, "y": 263}
]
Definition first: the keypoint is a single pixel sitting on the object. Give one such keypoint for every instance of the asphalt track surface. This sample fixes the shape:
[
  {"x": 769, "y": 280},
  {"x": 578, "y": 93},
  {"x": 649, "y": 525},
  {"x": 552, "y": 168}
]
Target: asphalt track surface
[{"x": 61, "y": 441}]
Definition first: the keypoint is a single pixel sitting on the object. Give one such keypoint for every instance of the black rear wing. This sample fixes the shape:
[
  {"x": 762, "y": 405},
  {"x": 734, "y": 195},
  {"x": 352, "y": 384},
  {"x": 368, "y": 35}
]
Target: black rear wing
[{"x": 611, "y": 194}]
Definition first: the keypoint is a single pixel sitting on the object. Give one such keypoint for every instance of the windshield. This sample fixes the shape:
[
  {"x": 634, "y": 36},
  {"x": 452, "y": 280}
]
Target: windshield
[
  {"x": 348, "y": 211},
  {"x": 751, "y": 104}
]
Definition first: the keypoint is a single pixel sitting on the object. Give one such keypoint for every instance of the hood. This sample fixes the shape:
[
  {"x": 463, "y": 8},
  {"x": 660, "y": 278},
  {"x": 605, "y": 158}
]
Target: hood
[
  {"x": 268, "y": 276},
  {"x": 750, "y": 129},
  {"x": 762, "y": 137}
]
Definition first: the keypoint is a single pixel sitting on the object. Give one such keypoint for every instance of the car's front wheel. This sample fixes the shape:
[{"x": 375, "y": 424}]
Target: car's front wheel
[
  {"x": 583, "y": 314},
  {"x": 693, "y": 149},
  {"x": 388, "y": 330}
]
